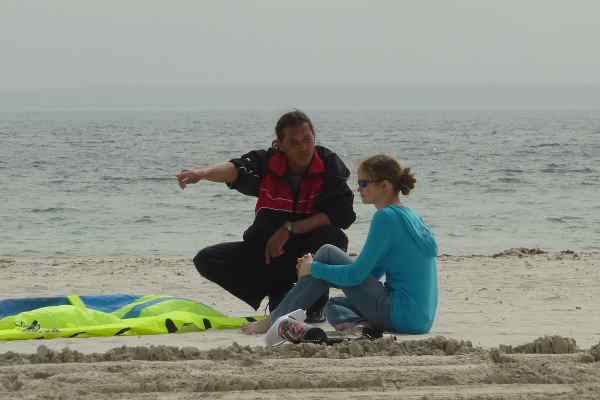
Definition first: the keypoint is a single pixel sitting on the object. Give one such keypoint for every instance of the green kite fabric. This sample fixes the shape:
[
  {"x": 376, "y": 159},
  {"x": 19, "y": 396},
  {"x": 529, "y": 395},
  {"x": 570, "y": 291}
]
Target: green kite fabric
[{"x": 108, "y": 315}]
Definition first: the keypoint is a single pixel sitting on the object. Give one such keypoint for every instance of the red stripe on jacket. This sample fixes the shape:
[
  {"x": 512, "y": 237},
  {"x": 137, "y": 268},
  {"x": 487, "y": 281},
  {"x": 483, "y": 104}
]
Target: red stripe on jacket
[{"x": 275, "y": 192}]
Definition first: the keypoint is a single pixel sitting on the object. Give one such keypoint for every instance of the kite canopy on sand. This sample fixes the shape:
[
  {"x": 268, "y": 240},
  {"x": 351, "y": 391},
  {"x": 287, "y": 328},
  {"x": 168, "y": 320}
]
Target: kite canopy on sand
[{"x": 108, "y": 315}]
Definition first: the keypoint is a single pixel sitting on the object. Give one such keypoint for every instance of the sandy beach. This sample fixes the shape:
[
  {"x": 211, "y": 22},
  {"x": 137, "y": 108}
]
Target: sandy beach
[{"x": 483, "y": 345}]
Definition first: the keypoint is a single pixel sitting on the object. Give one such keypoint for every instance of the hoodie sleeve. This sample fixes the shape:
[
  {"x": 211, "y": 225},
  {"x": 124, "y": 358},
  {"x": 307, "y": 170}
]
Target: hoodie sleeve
[
  {"x": 337, "y": 200},
  {"x": 251, "y": 168},
  {"x": 377, "y": 246}
]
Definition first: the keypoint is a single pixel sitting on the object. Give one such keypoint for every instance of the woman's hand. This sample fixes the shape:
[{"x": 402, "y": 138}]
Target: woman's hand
[{"x": 304, "y": 266}]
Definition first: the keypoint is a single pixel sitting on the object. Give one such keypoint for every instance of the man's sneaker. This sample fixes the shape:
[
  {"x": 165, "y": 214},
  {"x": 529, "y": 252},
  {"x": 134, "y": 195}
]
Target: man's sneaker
[{"x": 315, "y": 316}]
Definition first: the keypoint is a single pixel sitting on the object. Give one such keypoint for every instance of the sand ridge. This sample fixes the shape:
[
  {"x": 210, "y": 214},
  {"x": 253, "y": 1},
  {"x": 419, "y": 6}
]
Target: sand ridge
[{"x": 438, "y": 367}]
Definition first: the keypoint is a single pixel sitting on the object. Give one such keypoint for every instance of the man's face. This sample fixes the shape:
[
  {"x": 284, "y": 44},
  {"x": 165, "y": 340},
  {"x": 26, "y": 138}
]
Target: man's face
[{"x": 298, "y": 144}]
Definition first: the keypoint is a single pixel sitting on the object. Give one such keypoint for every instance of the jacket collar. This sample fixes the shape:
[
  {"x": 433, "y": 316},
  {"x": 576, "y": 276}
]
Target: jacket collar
[{"x": 278, "y": 164}]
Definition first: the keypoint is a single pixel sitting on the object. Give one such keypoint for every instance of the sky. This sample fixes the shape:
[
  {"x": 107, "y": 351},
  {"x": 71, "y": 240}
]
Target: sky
[{"x": 106, "y": 45}]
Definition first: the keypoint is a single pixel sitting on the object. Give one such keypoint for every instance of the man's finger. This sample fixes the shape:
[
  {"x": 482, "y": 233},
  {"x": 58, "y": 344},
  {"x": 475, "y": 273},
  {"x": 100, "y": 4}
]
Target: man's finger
[{"x": 180, "y": 182}]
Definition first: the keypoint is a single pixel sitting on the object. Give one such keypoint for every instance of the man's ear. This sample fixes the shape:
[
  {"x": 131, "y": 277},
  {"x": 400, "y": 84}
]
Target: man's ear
[
  {"x": 275, "y": 144},
  {"x": 278, "y": 144}
]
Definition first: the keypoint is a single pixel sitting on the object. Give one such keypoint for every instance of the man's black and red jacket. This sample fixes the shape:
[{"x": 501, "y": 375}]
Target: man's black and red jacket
[{"x": 324, "y": 188}]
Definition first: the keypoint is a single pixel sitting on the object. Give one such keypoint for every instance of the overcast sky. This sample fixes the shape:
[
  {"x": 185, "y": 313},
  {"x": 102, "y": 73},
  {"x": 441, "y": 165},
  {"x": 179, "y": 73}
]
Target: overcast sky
[{"x": 78, "y": 43}]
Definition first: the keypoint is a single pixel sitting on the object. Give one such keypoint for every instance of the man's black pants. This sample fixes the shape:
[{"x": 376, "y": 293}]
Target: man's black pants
[{"x": 240, "y": 268}]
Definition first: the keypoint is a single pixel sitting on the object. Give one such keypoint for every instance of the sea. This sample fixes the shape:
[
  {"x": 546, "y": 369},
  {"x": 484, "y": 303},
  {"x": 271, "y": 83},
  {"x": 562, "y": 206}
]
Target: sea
[{"x": 102, "y": 182}]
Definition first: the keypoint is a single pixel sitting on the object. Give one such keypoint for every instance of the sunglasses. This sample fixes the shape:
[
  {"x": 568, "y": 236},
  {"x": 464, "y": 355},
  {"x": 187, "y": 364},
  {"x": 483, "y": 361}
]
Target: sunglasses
[{"x": 363, "y": 183}]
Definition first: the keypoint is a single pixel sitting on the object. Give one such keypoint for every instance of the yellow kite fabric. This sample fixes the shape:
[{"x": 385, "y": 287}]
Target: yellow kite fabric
[{"x": 108, "y": 315}]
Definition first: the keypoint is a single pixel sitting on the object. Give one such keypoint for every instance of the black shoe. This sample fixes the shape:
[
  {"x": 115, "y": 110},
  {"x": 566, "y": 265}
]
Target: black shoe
[{"x": 315, "y": 316}]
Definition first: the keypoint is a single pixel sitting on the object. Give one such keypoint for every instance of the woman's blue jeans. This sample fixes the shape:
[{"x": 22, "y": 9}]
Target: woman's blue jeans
[{"x": 369, "y": 300}]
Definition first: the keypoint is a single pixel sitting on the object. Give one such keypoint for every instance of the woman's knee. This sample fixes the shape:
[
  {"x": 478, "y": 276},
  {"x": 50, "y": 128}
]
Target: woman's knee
[
  {"x": 324, "y": 253},
  {"x": 330, "y": 254}
]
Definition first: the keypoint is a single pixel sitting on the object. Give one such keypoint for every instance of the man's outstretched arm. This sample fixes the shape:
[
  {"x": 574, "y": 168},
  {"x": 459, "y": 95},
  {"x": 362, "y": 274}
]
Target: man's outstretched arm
[
  {"x": 242, "y": 174},
  {"x": 223, "y": 172}
]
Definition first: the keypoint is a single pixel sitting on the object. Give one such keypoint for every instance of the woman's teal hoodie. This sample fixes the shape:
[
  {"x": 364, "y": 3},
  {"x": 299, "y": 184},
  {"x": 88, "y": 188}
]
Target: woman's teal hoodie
[{"x": 401, "y": 246}]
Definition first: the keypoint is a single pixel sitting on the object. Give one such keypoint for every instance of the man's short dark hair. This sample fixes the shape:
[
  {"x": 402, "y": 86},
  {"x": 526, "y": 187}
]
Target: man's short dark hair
[{"x": 292, "y": 119}]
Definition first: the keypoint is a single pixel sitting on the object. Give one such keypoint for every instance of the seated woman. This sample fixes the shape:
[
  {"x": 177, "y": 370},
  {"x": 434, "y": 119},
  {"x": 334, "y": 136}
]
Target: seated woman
[{"x": 399, "y": 245}]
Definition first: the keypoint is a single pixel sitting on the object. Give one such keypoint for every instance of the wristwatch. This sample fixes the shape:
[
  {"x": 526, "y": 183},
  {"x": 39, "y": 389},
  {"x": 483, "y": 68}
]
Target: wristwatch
[{"x": 287, "y": 225}]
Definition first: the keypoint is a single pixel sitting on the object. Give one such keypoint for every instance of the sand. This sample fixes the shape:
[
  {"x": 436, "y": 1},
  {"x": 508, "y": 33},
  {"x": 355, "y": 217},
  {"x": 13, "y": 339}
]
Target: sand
[{"x": 489, "y": 341}]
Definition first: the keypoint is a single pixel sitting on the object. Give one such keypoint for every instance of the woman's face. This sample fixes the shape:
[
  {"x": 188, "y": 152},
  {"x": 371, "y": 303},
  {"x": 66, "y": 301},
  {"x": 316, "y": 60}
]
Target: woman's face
[{"x": 370, "y": 191}]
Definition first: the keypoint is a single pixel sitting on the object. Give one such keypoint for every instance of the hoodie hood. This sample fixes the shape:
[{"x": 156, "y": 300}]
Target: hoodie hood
[{"x": 419, "y": 231}]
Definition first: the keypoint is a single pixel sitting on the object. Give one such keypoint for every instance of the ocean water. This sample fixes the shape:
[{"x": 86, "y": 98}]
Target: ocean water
[{"x": 103, "y": 182}]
